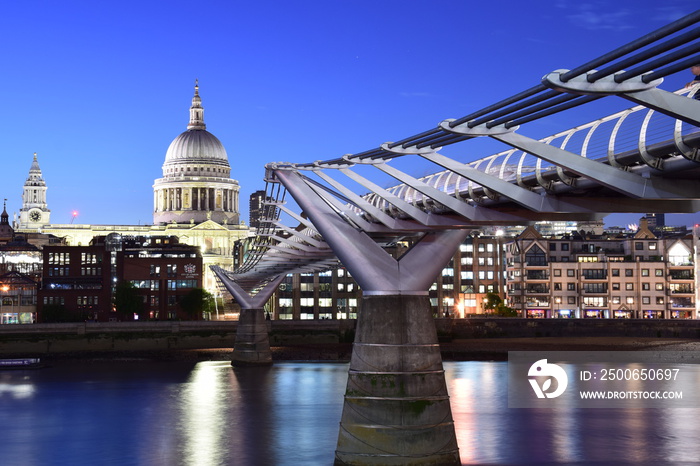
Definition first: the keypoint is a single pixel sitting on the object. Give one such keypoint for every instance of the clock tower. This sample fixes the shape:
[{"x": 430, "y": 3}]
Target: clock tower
[{"x": 34, "y": 212}]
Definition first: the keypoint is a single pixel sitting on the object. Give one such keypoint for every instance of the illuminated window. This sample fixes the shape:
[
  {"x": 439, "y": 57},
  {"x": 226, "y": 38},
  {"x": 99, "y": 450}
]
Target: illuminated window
[{"x": 588, "y": 258}]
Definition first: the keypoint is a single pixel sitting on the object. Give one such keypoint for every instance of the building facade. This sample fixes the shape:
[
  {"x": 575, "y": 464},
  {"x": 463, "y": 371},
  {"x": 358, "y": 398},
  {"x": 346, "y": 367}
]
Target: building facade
[
  {"x": 76, "y": 284},
  {"x": 79, "y": 282},
  {"x": 255, "y": 208},
  {"x": 163, "y": 272},
  {"x": 640, "y": 276},
  {"x": 637, "y": 277},
  {"x": 331, "y": 294},
  {"x": 18, "y": 298}
]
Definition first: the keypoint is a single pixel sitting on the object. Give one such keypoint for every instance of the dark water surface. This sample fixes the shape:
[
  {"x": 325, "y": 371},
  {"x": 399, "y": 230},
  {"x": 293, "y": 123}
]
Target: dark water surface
[{"x": 160, "y": 413}]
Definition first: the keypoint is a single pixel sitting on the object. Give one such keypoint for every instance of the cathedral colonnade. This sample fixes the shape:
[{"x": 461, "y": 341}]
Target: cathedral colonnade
[{"x": 195, "y": 199}]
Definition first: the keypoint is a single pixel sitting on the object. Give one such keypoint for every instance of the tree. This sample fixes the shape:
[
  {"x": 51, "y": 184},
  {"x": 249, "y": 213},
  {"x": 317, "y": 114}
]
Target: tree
[
  {"x": 505, "y": 311},
  {"x": 492, "y": 301},
  {"x": 495, "y": 305},
  {"x": 127, "y": 301},
  {"x": 197, "y": 301}
]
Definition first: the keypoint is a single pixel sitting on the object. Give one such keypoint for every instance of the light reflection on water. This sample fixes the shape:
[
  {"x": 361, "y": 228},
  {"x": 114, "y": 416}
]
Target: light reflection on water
[
  {"x": 148, "y": 413},
  {"x": 488, "y": 432}
]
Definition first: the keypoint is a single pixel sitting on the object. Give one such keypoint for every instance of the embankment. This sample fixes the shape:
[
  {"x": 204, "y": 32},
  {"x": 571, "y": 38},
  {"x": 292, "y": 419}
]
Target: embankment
[{"x": 331, "y": 340}]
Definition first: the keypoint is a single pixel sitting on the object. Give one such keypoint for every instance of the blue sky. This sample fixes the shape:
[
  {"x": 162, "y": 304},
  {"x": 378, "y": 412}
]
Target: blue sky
[{"x": 100, "y": 89}]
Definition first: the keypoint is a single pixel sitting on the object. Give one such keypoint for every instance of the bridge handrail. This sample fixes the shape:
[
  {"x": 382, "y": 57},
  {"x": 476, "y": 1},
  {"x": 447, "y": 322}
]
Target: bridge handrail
[{"x": 521, "y": 170}]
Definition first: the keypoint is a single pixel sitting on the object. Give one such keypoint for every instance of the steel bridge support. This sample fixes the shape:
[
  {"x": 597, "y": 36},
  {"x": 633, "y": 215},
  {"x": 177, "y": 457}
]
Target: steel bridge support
[
  {"x": 252, "y": 345},
  {"x": 396, "y": 409}
]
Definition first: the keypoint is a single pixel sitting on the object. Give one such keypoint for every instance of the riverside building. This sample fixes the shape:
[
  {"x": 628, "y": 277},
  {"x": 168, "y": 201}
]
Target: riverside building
[
  {"x": 651, "y": 274},
  {"x": 643, "y": 276},
  {"x": 78, "y": 282}
]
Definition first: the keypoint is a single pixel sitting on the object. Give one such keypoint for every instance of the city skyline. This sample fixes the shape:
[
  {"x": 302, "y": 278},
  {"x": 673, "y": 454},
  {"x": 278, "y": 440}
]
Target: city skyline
[{"x": 101, "y": 93}]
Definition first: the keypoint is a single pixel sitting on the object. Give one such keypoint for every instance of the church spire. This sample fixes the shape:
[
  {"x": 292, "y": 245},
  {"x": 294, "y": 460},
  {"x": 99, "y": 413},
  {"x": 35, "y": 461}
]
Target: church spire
[
  {"x": 4, "y": 217},
  {"x": 35, "y": 177},
  {"x": 196, "y": 110}
]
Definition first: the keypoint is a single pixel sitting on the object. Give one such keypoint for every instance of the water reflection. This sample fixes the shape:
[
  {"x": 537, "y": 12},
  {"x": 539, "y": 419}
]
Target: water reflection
[
  {"x": 16, "y": 390},
  {"x": 309, "y": 400},
  {"x": 154, "y": 414},
  {"x": 275, "y": 415},
  {"x": 489, "y": 432},
  {"x": 204, "y": 404}
]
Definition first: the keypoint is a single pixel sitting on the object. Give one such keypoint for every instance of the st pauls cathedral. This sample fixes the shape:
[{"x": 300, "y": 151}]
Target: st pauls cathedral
[{"x": 195, "y": 200}]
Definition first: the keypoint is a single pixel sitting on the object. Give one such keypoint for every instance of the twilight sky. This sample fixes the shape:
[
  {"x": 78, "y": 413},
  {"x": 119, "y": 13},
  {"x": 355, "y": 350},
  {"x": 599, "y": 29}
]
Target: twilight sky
[{"x": 100, "y": 89}]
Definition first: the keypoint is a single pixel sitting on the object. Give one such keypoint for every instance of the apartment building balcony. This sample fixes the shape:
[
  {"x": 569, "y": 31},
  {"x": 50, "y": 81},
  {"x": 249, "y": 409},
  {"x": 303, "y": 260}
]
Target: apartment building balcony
[
  {"x": 597, "y": 302},
  {"x": 681, "y": 274},
  {"x": 595, "y": 288},
  {"x": 594, "y": 274},
  {"x": 681, "y": 288},
  {"x": 537, "y": 289},
  {"x": 681, "y": 303},
  {"x": 537, "y": 275},
  {"x": 532, "y": 301},
  {"x": 676, "y": 262}
]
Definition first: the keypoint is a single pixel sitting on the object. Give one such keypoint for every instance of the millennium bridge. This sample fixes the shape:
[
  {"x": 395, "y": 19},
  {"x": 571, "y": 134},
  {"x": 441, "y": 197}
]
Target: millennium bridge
[{"x": 644, "y": 159}]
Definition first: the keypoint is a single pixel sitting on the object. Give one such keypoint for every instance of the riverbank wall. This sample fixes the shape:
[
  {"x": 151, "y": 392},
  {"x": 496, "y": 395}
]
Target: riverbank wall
[{"x": 37, "y": 339}]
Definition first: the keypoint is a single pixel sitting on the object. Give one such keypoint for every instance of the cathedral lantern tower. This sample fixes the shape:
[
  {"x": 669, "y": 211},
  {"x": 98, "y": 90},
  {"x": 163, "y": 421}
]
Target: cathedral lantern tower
[
  {"x": 196, "y": 184},
  {"x": 34, "y": 212}
]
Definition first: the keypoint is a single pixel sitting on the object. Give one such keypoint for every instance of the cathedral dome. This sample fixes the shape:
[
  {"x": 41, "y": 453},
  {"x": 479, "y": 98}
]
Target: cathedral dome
[
  {"x": 197, "y": 146},
  {"x": 196, "y": 185}
]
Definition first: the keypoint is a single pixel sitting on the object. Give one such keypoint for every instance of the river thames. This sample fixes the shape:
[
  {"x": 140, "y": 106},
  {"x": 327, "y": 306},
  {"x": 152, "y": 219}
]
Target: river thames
[{"x": 208, "y": 413}]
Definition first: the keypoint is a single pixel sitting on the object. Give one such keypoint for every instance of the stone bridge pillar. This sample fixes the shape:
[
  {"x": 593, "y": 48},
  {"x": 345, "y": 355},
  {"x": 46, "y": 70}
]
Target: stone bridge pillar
[{"x": 397, "y": 409}]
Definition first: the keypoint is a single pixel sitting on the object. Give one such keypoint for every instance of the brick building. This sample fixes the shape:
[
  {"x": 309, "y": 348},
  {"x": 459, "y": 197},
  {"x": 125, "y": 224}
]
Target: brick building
[
  {"x": 78, "y": 282},
  {"x": 163, "y": 271},
  {"x": 75, "y": 284}
]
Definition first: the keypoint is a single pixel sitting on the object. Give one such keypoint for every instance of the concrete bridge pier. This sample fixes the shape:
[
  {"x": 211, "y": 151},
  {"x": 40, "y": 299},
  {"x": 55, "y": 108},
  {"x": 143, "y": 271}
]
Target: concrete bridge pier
[
  {"x": 252, "y": 345},
  {"x": 397, "y": 409}
]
